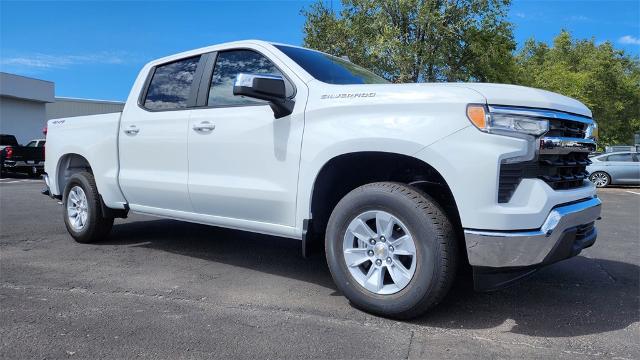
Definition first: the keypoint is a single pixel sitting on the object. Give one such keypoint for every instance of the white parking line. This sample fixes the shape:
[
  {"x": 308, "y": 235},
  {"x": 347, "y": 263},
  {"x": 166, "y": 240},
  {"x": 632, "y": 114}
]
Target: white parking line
[{"x": 632, "y": 192}]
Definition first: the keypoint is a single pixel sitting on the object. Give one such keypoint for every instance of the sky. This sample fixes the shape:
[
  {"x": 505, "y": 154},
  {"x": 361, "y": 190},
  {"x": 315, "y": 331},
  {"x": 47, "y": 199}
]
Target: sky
[{"x": 95, "y": 49}]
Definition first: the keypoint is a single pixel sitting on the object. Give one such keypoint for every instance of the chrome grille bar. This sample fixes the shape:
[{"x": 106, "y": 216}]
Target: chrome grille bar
[
  {"x": 565, "y": 145},
  {"x": 541, "y": 113}
]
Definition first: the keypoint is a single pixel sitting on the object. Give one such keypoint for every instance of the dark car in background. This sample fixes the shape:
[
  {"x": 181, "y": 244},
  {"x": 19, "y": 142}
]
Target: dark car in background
[
  {"x": 7, "y": 140},
  {"x": 22, "y": 159},
  {"x": 615, "y": 168}
]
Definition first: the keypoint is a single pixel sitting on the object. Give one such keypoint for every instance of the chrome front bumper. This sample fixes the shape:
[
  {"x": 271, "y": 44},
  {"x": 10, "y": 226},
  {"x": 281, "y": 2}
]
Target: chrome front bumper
[{"x": 556, "y": 238}]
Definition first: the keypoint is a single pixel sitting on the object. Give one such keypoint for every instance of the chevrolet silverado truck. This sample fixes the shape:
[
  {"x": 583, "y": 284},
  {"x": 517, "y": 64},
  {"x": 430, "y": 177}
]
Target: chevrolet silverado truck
[{"x": 404, "y": 183}]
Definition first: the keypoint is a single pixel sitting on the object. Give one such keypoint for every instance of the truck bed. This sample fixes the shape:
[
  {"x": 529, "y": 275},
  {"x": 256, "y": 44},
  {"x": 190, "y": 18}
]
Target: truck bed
[{"x": 93, "y": 139}]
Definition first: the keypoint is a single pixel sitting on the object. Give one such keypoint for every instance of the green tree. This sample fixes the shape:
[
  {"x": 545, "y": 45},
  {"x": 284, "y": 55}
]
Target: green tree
[
  {"x": 605, "y": 79},
  {"x": 418, "y": 40}
]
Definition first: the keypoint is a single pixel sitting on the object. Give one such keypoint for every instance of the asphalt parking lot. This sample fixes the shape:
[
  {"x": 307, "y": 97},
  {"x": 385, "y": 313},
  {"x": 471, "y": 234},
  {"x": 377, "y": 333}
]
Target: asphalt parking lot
[{"x": 166, "y": 289}]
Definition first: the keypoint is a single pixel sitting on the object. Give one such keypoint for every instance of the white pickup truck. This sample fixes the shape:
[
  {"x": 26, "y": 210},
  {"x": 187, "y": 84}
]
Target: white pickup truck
[{"x": 403, "y": 183}]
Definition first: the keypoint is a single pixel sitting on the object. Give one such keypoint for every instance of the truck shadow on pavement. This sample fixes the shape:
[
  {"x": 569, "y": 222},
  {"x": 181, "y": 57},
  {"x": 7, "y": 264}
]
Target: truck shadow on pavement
[
  {"x": 269, "y": 254},
  {"x": 579, "y": 296},
  {"x": 13, "y": 175}
]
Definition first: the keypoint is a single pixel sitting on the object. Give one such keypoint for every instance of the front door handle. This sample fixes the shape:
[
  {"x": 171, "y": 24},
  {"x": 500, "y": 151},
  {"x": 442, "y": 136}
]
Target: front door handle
[
  {"x": 204, "y": 126},
  {"x": 132, "y": 130}
]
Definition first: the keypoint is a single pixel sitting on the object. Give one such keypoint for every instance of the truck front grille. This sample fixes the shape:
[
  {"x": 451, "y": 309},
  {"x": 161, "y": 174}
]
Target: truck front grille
[
  {"x": 563, "y": 172},
  {"x": 566, "y": 128},
  {"x": 561, "y": 158},
  {"x": 560, "y": 171}
]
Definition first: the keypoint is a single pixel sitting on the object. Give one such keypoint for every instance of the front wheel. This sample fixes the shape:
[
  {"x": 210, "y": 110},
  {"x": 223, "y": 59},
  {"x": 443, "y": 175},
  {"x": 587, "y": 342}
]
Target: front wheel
[
  {"x": 83, "y": 211},
  {"x": 600, "y": 179},
  {"x": 391, "y": 250}
]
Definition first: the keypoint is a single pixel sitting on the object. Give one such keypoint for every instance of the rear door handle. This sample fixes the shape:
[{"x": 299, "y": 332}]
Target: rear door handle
[
  {"x": 132, "y": 130},
  {"x": 204, "y": 126}
]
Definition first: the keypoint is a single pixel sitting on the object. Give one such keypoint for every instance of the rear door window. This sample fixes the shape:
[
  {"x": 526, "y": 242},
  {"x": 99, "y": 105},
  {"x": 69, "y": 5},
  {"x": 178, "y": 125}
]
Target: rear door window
[{"x": 170, "y": 86}]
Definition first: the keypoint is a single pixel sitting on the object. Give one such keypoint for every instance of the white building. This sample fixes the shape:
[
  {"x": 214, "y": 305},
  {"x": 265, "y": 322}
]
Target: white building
[
  {"x": 67, "y": 107},
  {"x": 22, "y": 106},
  {"x": 26, "y": 104}
]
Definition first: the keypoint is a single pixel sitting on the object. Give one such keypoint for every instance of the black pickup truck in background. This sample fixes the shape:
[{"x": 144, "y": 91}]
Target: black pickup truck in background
[{"x": 22, "y": 159}]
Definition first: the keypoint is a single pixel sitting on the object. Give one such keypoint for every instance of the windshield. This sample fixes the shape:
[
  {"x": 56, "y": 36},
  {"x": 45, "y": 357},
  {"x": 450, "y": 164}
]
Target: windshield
[{"x": 330, "y": 69}]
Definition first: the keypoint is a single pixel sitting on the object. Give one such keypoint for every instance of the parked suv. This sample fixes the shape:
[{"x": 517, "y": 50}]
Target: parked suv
[{"x": 401, "y": 182}]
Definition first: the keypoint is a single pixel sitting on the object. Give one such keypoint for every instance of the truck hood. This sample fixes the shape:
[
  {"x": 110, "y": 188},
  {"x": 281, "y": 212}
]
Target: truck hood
[
  {"x": 513, "y": 95},
  {"x": 492, "y": 94}
]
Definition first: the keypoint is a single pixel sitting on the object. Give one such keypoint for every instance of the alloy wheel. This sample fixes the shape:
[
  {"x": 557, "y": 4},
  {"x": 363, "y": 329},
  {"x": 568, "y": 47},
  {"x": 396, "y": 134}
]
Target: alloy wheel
[
  {"x": 600, "y": 179},
  {"x": 77, "y": 208},
  {"x": 379, "y": 252}
]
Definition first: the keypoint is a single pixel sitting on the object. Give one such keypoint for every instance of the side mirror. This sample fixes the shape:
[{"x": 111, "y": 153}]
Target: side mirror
[{"x": 270, "y": 88}]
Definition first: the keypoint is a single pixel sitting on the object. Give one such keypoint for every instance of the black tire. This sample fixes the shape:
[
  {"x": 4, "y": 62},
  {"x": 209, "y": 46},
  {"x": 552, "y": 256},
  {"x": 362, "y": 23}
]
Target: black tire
[
  {"x": 435, "y": 243},
  {"x": 97, "y": 226},
  {"x": 606, "y": 179}
]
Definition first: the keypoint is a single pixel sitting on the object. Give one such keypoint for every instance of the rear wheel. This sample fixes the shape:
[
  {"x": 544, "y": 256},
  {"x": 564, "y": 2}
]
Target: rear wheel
[
  {"x": 83, "y": 210},
  {"x": 600, "y": 179},
  {"x": 391, "y": 250}
]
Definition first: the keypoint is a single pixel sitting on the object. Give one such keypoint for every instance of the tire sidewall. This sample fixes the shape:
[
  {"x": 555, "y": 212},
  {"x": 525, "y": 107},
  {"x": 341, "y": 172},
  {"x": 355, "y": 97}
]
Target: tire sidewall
[
  {"x": 420, "y": 228},
  {"x": 81, "y": 180}
]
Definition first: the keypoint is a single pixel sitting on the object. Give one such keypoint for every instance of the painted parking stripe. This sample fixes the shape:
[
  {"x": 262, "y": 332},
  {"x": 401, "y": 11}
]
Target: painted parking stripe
[{"x": 633, "y": 192}]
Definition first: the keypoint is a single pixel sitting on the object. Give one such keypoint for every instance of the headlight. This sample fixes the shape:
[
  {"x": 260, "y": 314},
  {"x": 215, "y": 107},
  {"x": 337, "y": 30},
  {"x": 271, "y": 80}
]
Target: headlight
[{"x": 505, "y": 123}]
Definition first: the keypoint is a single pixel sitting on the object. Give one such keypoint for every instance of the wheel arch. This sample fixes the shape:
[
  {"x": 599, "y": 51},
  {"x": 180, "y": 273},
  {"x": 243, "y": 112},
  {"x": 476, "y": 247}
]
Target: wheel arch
[
  {"x": 68, "y": 165},
  {"x": 345, "y": 172}
]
